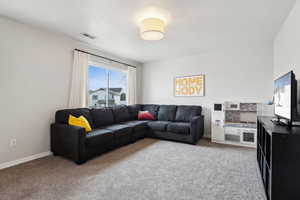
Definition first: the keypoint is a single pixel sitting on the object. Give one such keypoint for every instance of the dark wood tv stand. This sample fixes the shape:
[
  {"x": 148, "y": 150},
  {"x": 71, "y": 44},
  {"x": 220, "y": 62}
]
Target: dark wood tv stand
[{"x": 278, "y": 157}]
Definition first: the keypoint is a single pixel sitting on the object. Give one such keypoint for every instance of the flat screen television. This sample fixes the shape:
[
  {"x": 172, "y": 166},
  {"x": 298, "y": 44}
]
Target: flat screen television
[{"x": 285, "y": 98}]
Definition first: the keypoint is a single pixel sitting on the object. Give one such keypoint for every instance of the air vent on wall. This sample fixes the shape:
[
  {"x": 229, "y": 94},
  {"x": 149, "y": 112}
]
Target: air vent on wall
[{"x": 88, "y": 36}]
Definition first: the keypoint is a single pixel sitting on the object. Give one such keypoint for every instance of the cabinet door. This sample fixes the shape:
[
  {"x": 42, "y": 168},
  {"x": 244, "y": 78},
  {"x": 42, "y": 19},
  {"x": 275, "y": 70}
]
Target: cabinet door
[
  {"x": 217, "y": 130},
  {"x": 248, "y": 136},
  {"x": 217, "y": 126}
]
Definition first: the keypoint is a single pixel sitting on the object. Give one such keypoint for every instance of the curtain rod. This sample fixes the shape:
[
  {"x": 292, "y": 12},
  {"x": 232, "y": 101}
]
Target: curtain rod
[{"x": 106, "y": 58}]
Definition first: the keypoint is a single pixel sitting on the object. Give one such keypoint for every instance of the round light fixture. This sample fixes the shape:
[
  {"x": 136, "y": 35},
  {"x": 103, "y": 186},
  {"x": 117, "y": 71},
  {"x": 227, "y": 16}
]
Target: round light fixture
[{"x": 152, "y": 29}]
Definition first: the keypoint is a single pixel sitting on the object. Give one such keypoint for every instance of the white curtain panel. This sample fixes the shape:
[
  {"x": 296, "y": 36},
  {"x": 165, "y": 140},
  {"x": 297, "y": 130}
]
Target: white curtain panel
[
  {"x": 78, "y": 94},
  {"x": 132, "y": 93}
]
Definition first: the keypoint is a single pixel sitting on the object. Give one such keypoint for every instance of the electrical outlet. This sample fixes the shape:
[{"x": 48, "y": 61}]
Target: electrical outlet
[{"x": 13, "y": 142}]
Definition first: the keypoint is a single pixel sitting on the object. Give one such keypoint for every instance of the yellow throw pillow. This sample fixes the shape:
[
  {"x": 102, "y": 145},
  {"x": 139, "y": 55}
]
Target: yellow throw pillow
[{"x": 80, "y": 121}]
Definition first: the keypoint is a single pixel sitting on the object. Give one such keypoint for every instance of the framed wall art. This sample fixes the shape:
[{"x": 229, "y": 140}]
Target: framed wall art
[{"x": 189, "y": 86}]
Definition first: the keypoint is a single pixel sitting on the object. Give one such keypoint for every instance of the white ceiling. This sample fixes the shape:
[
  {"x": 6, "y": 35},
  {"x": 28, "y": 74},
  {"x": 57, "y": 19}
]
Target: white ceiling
[{"x": 194, "y": 26}]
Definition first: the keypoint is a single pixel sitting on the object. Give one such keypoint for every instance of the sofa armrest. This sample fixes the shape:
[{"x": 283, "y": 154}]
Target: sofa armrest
[
  {"x": 197, "y": 128},
  {"x": 68, "y": 141}
]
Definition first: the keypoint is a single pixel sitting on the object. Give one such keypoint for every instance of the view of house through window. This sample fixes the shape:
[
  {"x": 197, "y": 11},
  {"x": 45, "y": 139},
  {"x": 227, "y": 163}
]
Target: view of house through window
[{"x": 106, "y": 87}]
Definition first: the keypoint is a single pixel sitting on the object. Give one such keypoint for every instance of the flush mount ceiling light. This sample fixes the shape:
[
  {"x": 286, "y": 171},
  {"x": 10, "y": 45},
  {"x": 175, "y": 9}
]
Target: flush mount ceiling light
[{"x": 152, "y": 29}]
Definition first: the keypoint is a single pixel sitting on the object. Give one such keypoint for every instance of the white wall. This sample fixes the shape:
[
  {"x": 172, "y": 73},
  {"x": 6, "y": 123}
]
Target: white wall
[
  {"x": 239, "y": 74},
  {"x": 287, "y": 45},
  {"x": 35, "y": 69}
]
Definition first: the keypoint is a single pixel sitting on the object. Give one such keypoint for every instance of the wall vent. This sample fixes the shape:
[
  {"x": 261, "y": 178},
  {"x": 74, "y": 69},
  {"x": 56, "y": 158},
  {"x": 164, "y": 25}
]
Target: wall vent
[{"x": 88, "y": 36}]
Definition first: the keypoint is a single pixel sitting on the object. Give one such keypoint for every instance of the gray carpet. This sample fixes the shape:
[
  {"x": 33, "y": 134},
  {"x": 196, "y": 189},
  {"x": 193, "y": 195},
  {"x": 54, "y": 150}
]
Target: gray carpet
[{"x": 149, "y": 169}]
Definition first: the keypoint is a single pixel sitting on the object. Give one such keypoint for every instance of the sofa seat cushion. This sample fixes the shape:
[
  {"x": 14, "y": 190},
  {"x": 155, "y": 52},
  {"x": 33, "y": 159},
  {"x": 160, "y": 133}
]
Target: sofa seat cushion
[
  {"x": 102, "y": 117},
  {"x": 139, "y": 128},
  {"x": 179, "y": 127},
  {"x": 136, "y": 123},
  {"x": 158, "y": 125},
  {"x": 99, "y": 136},
  {"x": 119, "y": 129},
  {"x": 122, "y": 133}
]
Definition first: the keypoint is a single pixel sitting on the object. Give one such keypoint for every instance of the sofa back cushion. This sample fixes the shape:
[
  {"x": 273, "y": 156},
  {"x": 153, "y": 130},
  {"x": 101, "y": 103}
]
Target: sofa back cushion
[
  {"x": 152, "y": 108},
  {"x": 62, "y": 116},
  {"x": 102, "y": 117},
  {"x": 186, "y": 113},
  {"x": 134, "y": 111},
  {"x": 166, "y": 113},
  {"x": 121, "y": 113}
]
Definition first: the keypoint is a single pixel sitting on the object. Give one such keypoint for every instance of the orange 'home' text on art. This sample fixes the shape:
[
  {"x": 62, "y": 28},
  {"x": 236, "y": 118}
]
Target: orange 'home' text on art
[{"x": 189, "y": 86}]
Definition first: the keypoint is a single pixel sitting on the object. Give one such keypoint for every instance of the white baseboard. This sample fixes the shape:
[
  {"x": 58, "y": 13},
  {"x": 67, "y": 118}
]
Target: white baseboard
[{"x": 23, "y": 160}]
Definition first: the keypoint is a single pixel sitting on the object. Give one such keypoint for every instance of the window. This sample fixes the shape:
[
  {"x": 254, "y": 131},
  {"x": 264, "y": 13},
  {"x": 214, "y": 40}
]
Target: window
[
  {"x": 95, "y": 97},
  {"x": 123, "y": 97},
  {"x": 107, "y": 87}
]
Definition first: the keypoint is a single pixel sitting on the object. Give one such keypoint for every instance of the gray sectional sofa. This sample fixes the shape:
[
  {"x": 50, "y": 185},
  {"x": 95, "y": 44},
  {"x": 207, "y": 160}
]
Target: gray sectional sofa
[{"x": 117, "y": 126}]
